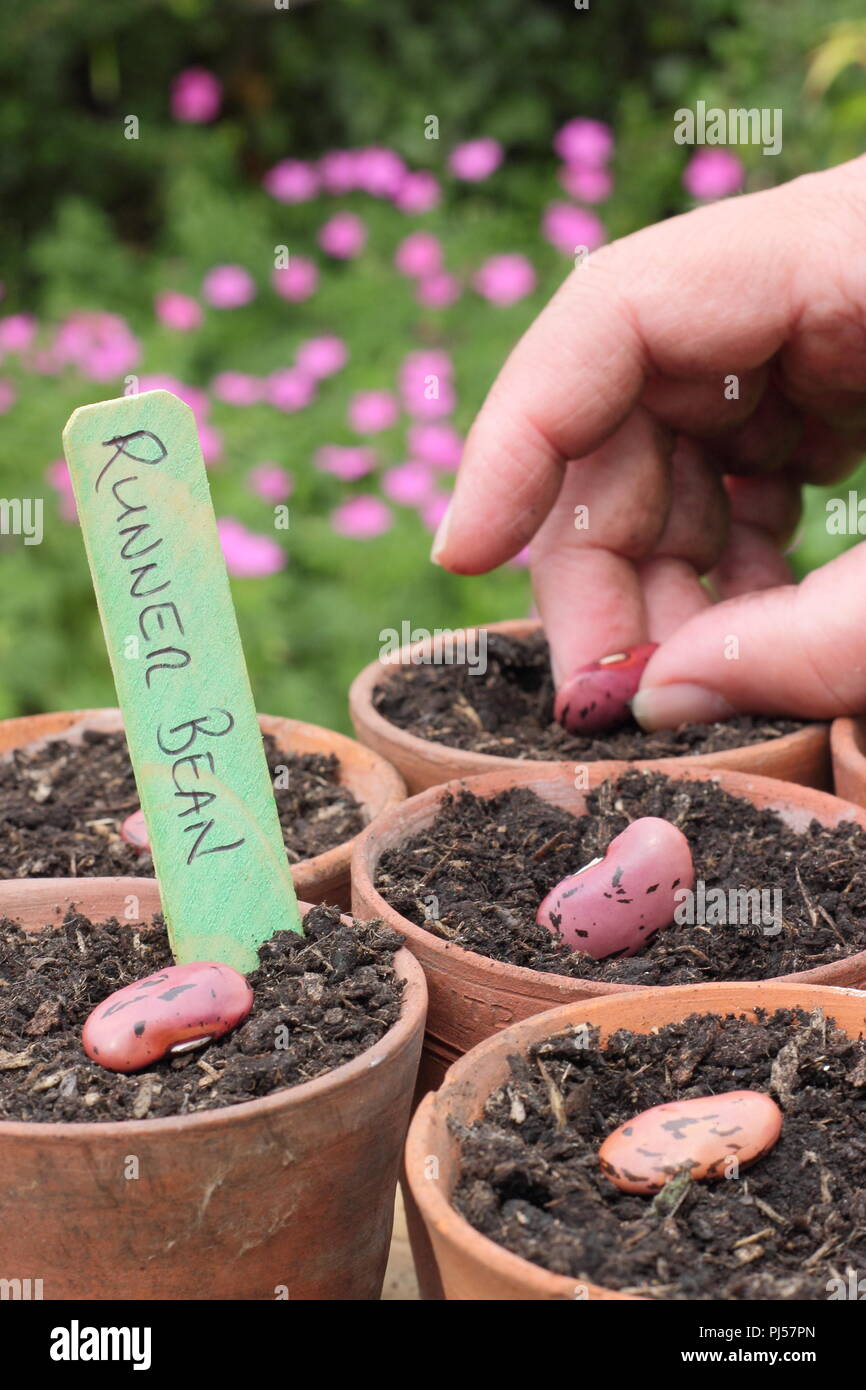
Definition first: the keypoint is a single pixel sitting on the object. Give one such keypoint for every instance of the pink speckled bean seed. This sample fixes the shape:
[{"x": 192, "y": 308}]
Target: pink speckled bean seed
[
  {"x": 166, "y": 1012},
  {"x": 134, "y": 831},
  {"x": 614, "y": 906},
  {"x": 701, "y": 1135},
  {"x": 596, "y": 697}
]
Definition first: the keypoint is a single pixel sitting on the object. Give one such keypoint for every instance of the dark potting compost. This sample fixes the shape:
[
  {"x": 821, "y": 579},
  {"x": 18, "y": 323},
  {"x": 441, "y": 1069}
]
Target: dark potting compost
[
  {"x": 508, "y": 712},
  {"x": 477, "y": 875},
  {"x": 62, "y": 805},
  {"x": 790, "y": 1227},
  {"x": 318, "y": 1001}
]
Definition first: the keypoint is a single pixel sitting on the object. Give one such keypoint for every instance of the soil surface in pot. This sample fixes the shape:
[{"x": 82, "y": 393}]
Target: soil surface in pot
[
  {"x": 62, "y": 805},
  {"x": 477, "y": 875},
  {"x": 508, "y": 712},
  {"x": 783, "y": 1229},
  {"x": 319, "y": 1000}
]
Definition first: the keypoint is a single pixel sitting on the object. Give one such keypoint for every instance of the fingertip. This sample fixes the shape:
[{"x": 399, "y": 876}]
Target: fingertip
[
  {"x": 440, "y": 539},
  {"x": 669, "y": 706}
]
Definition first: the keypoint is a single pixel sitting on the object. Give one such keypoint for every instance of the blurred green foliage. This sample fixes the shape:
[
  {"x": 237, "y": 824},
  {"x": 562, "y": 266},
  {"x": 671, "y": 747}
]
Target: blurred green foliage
[{"x": 93, "y": 220}]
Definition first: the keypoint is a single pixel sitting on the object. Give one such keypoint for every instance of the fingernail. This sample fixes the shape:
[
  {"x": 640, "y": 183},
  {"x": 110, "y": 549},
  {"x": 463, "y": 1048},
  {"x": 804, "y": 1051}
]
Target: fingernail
[
  {"x": 668, "y": 706},
  {"x": 440, "y": 540},
  {"x": 596, "y": 697}
]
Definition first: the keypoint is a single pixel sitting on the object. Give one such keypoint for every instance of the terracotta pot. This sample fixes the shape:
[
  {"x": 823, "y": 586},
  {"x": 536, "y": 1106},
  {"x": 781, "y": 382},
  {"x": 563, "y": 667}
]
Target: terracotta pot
[
  {"x": 371, "y": 780},
  {"x": 473, "y": 1268},
  {"x": 848, "y": 752},
  {"x": 472, "y": 996},
  {"x": 799, "y": 757},
  {"x": 295, "y": 1189}
]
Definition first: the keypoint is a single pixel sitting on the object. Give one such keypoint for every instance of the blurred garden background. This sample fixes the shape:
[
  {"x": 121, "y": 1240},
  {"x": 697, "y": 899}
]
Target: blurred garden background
[{"x": 324, "y": 225}]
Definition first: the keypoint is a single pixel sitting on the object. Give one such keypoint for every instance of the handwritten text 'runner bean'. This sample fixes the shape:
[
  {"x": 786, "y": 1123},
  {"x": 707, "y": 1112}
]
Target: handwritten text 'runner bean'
[{"x": 163, "y": 594}]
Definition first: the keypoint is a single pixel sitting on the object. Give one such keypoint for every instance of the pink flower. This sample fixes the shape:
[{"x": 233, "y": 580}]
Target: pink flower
[
  {"x": 520, "y": 561},
  {"x": 475, "y": 160},
  {"x": 426, "y": 385},
  {"x": 419, "y": 254},
  {"x": 292, "y": 181},
  {"x": 585, "y": 142},
  {"x": 58, "y": 476},
  {"x": 296, "y": 281},
  {"x": 178, "y": 311},
  {"x": 247, "y": 554},
  {"x": 419, "y": 192},
  {"x": 196, "y": 96},
  {"x": 505, "y": 279},
  {"x": 372, "y": 411},
  {"x": 437, "y": 444},
  {"x": 17, "y": 332},
  {"x": 338, "y": 171},
  {"x": 589, "y": 185},
  {"x": 713, "y": 174},
  {"x": 343, "y": 236},
  {"x": 347, "y": 463},
  {"x": 290, "y": 389},
  {"x": 379, "y": 172},
  {"x": 567, "y": 228},
  {"x": 420, "y": 363},
  {"x": 433, "y": 511},
  {"x": 430, "y": 400},
  {"x": 211, "y": 442},
  {"x": 100, "y": 345},
  {"x": 271, "y": 482},
  {"x": 236, "y": 388},
  {"x": 8, "y": 395},
  {"x": 361, "y": 518},
  {"x": 409, "y": 484},
  {"x": 321, "y": 357},
  {"x": 438, "y": 291},
  {"x": 228, "y": 287}
]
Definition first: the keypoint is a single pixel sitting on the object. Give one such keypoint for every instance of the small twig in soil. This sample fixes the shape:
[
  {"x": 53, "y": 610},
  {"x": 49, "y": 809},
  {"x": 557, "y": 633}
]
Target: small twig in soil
[
  {"x": 750, "y": 1240},
  {"x": 557, "y": 1104},
  {"x": 819, "y": 1254},
  {"x": 462, "y": 705},
  {"x": 832, "y": 925},
  {"x": 558, "y": 839},
  {"x": 689, "y": 951},
  {"x": 810, "y": 907},
  {"x": 768, "y": 1211},
  {"x": 422, "y": 882},
  {"x": 810, "y": 1157},
  {"x": 636, "y": 1239}
]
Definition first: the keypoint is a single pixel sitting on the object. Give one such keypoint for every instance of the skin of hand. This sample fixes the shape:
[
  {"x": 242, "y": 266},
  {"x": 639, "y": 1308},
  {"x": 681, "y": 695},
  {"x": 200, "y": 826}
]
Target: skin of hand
[{"x": 681, "y": 386}]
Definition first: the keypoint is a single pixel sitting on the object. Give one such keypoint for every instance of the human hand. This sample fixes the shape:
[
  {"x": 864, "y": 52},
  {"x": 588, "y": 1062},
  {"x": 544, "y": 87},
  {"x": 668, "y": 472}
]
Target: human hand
[{"x": 681, "y": 386}]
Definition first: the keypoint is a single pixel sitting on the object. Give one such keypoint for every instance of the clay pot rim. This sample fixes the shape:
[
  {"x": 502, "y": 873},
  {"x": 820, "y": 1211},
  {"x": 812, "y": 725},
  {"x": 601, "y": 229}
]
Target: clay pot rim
[
  {"x": 847, "y": 737},
  {"x": 330, "y": 861},
  {"x": 365, "y": 715},
  {"x": 438, "y": 1211},
  {"x": 846, "y": 726},
  {"x": 521, "y": 978},
  {"x": 330, "y": 1084}
]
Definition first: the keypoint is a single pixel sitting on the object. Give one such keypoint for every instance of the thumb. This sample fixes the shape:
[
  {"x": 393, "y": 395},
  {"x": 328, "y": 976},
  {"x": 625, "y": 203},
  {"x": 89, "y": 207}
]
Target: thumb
[{"x": 799, "y": 651}]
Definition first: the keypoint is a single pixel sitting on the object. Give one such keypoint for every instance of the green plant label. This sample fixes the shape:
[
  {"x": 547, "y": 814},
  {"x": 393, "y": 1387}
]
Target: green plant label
[{"x": 169, "y": 622}]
